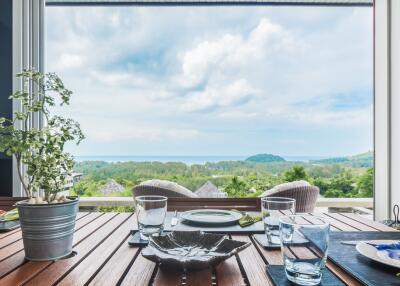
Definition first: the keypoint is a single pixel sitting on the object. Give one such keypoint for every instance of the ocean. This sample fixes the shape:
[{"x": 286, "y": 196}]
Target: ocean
[{"x": 190, "y": 160}]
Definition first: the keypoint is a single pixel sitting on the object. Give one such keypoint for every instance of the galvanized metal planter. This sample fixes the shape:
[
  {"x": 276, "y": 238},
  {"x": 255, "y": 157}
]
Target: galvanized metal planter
[{"x": 48, "y": 229}]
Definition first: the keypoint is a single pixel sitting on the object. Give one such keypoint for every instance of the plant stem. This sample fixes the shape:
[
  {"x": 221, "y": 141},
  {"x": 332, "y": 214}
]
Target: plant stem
[{"x": 27, "y": 192}]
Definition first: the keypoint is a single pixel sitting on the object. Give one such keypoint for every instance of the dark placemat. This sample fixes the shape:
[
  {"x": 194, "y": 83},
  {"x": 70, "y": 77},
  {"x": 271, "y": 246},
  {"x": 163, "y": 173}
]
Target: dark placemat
[
  {"x": 257, "y": 227},
  {"x": 278, "y": 276},
  {"x": 263, "y": 241},
  {"x": 361, "y": 268},
  {"x": 135, "y": 240},
  {"x": 9, "y": 225}
]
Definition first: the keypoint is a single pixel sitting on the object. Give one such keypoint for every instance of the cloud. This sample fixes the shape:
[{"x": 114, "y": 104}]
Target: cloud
[
  {"x": 236, "y": 115},
  {"x": 233, "y": 51},
  {"x": 194, "y": 73},
  {"x": 142, "y": 133},
  {"x": 211, "y": 63},
  {"x": 326, "y": 118},
  {"x": 120, "y": 79},
  {"x": 219, "y": 96},
  {"x": 70, "y": 61}
]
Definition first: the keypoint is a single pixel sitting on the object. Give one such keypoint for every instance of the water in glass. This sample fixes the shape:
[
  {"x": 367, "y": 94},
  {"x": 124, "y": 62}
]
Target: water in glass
[
  {"x": 150, "y": 212},
  {"x": 272, "y": 209},
  {"x": 304, "y": 267}
]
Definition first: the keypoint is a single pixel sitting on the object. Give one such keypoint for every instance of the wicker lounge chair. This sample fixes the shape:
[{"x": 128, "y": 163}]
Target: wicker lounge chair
[
  {"x": 162, "y": 188},
  {"x": 304, "y": 194}
]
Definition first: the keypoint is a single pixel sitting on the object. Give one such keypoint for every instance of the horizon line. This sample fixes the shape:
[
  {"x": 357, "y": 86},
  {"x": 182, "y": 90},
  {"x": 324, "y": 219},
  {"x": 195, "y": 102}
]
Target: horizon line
[{"x": 134, "y": 155}]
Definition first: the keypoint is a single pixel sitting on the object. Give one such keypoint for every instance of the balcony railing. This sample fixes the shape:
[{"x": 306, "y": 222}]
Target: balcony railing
[{"x": 359, "y": 204}]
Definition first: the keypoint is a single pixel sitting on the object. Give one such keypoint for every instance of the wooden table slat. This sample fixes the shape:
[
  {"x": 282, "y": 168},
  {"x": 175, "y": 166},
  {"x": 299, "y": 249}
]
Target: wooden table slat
[
  {"x": 377, "y": 225},
  {"x": 11, "y": 263},
  {"x": 335, "y": 223},
  {"x": 166, "y": 277},
  {"x": 228, "y": 273},
  {"x": 28, "y": 270},
  {"x": 10, "y": 239},
  {"x": 54, "y": 272},
  {"x": 123, "y": 257},
  {"x": 273, "y": 257},
  {"x": 11, "y": 249},
  {"x": 351, "y": 222},
  {"x": 7, "y": 233},
  {"x": 199, "y": 278},
  {"x": 98, "y": 256},
  {"x": 18, "y": 258},
  {"x": 253, "y": 264},
  {"x": 140, "y": 273},
  {"x": 314, "y": 220}
]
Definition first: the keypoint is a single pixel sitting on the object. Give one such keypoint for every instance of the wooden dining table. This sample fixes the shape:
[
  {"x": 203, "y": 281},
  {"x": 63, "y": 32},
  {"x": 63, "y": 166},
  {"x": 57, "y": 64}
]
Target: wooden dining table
[{"x": 102, "y": 256}]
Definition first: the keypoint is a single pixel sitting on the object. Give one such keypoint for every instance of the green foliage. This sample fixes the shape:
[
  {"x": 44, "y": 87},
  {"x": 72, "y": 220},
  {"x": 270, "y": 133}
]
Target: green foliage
[
  {"x": 334, "y": 193},
  {"x": 336, "y": 160},
  {"x": 296, "y": 173},
  {"x": 89, "y": 166},
  {"x": 236, "y": 178},
  {"x": 347, "y": 184},
  {"x": 236, "y": 188},
  {"x": 344, "y": 182},
  {"x": 121, "y": 209},
  {"x": 322, "y": 184},
  {"x": 265, "y": 158},
  {"x": 358, "y": 161},
  {"x": 40, "y": 150},
  {"x": 365, "y": 184}
]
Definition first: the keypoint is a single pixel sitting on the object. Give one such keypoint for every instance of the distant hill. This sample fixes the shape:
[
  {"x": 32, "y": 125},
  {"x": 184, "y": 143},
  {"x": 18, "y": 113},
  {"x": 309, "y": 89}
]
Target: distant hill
[
  {"x": 265, "y": 158},
  {"x": 358, "y": 161}
]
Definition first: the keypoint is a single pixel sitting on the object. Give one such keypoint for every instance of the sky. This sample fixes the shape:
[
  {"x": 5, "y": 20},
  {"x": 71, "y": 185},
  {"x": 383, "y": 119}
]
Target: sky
[{"x": 221, "y": 81}]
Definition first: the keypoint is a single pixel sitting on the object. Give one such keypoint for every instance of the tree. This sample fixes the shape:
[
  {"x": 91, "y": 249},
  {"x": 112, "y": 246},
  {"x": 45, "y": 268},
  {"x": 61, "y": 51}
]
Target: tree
[
  {"x": 365, "y": 184},
  {"x": 334, "y": 193},
  {"x": 322, "y": 184},
  {"x": 343, "y": 182},
  {"x": 295, "y": 173},
  {"x": 236, "y": 188}
]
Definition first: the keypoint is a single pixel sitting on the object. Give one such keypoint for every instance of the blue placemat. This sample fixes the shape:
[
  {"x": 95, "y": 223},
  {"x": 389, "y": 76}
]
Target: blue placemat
[
  {"x": 9, "y": 225},
  {"x": 366, "y": 271},
  {"x": 278, "y": 276}
]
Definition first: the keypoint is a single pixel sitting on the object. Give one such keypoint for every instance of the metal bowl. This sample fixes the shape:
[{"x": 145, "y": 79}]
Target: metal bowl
[{"x": 191, "y": 250}]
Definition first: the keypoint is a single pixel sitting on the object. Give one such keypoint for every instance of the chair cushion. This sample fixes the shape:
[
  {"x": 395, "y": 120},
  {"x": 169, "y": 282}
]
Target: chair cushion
[
  {"x": 170, "y": 186},
  {"x": 285, "y": 187}
]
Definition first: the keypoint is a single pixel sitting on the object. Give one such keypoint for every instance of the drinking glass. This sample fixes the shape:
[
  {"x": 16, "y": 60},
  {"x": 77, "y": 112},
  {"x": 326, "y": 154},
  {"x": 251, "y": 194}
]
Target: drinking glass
[
  {"x": 272, "y": 209},
  {"x": 304, "y": 267},
  {"x": 150, "y": 212}
]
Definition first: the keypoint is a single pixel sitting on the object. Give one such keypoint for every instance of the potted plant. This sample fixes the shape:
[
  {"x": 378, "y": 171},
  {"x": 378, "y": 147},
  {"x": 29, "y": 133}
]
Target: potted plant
[{"x": 47, "y": 218}]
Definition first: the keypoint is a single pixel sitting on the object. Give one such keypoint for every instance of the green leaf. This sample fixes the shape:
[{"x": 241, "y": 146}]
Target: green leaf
[{"x": 42, "y": 151}]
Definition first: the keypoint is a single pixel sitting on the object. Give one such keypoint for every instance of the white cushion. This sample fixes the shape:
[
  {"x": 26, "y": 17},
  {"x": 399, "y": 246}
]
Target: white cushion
[
  {"x": 284, "y": 187},
  {"x": 164, "y": 184}
]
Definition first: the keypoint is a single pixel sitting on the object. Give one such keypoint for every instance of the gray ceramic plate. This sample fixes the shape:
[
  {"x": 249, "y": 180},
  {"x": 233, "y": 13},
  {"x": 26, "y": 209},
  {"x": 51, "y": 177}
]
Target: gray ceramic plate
[
  {"x": 191, "y": 249},
  {"x": 211, "y": 217}
]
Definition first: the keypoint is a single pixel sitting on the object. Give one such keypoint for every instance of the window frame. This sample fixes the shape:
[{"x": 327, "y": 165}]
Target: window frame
[{"x": 28, "y": 41}]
